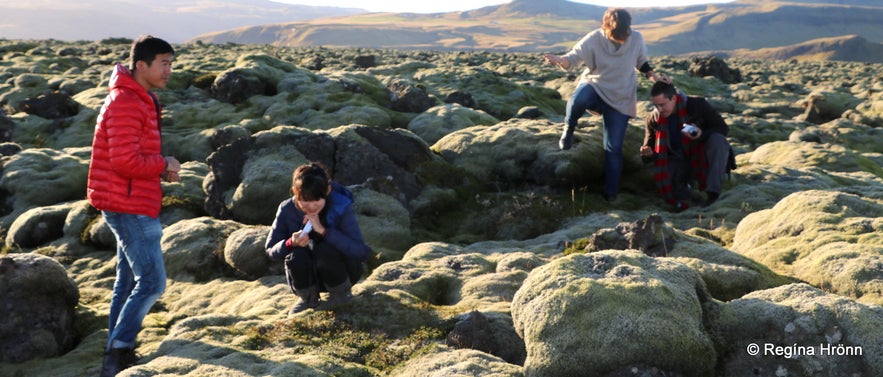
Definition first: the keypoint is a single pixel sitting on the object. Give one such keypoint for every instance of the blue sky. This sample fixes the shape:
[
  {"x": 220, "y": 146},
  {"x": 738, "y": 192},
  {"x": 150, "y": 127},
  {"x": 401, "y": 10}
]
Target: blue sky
[{"x": 434, "y": 6}]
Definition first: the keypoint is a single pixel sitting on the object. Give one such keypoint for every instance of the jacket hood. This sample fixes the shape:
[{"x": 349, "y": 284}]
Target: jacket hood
[
  {"x": 340, "y": 196},
  {"x": 121, "y": 77}
]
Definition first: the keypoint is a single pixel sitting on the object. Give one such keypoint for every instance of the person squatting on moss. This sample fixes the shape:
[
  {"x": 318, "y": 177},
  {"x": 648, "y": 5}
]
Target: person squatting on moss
[
  {"x": 318, "y": 236},
  {"x": 125, "y": 171},
  {"x": 687, "y": 140},
  {"x": 607, "y": 86}
]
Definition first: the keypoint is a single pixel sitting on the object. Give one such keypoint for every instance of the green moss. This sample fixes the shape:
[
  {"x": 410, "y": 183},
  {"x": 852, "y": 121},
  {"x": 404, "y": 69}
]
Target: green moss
[
  {"x": 205, "y": 81},
  {"x": 578, "y": 246},
  {"x": 323, "y": 332}
]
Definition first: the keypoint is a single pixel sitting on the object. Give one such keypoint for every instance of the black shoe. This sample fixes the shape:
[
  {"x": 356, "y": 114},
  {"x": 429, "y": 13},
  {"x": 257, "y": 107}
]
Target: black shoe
[
  {"x": 712, "y": 197},
  {"x": 117, "y": 359}
]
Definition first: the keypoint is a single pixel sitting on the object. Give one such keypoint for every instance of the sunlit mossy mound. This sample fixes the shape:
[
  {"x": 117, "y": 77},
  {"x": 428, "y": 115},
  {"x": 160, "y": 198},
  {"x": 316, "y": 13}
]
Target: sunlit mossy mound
[{"x": 485, "y": 235}]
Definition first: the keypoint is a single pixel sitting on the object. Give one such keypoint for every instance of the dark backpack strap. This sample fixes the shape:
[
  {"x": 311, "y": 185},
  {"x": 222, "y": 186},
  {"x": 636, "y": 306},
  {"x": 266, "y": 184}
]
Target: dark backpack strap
[{"x": 158, "y": 110}]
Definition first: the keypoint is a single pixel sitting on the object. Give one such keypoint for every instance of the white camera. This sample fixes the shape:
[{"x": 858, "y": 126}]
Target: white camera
[{"x": 690, "y": 129}]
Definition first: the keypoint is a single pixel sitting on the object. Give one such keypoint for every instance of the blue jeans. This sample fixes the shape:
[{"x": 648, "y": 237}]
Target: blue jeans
[
  {"x": 141, "y": 275},
  {"x": 614, "y": 123}
]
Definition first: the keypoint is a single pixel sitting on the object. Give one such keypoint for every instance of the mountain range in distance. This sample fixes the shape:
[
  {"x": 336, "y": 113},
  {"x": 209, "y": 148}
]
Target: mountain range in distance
[
  {"x": 173, "y": 20},
  {"x": 848, "y": 30}
]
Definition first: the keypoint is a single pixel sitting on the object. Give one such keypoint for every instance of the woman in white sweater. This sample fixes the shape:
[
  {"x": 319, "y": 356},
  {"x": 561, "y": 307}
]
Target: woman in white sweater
[{"x": 608, "y": 86}]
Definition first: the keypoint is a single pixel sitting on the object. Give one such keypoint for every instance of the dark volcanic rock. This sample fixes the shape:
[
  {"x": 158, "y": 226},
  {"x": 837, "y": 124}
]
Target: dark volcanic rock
[
  {"x": 647, "y": 235},
  {"x": 50, "y": 106},
  {"x": 236, "y": 86},
  {"x": 714, "y": 66},
  {"x": 409, "y": 98},
  {"x": 37, "y": 300}
]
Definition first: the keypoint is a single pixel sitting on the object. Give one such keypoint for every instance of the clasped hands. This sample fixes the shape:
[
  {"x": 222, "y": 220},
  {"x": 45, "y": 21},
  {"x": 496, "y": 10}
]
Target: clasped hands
[{"x": 301, "y": 238}]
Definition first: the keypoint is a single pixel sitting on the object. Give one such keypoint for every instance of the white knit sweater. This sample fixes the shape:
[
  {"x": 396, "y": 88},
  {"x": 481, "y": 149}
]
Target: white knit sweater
[{"x": 611, "y": 68}]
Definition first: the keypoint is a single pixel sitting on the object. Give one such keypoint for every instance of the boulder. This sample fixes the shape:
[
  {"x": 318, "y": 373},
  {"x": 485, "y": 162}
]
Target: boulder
[
  {"x": 253, "y": 75},
  {"x": 249, "y": 189},
  {"x": 384, "y": 221},
  {"x": 193, "y": 249},
  {"x": 522, "y": 152},
  {"x": 716, "y": 67},
  {"x": 445, "y": 275},
  {"x": 38, "y": 226},
  {"x": 38, "y": 300},
  {"x": 462, "y": 98},
  {"x": 843, "y": 132},
  {"x": 50, "y": 106},
  {"x": 42, "y": 176},
  {"x": 436, "y": 122},
  {"x": 491, "y": 333},
  {"x": 366, "y": 61},
  {"x": 409, "y": 98},
  {"x": 251, "y": 176},
  {"x": 822, "y": 106},
  {"x": 237, "y": 85},
  {"x": 830, "y": 239},
  {"x": 244, "y": 251},
  {"x": 601, "y": 312},
  {"x": 803, "y": 155},
  {"x": 650, "y": 236},
  {"x": 25, "y": 85},
  {"x": 800, "y": 330}
]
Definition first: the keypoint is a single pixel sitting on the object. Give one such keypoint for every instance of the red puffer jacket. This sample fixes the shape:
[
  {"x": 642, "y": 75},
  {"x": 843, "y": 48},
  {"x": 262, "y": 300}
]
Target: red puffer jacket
[{"x": 124, "y": 174}]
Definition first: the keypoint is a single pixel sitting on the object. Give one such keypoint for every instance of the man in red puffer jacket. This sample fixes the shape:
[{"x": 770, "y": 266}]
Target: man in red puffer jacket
[{"x": 124, "y": 184}]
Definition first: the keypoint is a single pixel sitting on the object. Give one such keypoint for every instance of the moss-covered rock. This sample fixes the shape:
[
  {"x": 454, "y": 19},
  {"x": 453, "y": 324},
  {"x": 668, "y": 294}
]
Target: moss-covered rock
[
  {"x": 798, "y": 329},
  {"x": 610, "y": 310},
  {"x": 193, "y": 249},
  {"x": 831, "y": 239},
  {"x": 435, "y": 123},
  {"x": 444, "y": 362}
]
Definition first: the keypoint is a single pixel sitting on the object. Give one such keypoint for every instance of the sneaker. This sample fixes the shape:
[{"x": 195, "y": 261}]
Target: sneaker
[{"x": 566, "y": 141}]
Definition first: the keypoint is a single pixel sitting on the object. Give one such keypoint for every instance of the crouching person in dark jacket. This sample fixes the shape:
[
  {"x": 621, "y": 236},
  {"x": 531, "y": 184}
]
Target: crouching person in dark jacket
[
  {"x": 687, "y": 139},
  {"x": 318, "y": 236}
]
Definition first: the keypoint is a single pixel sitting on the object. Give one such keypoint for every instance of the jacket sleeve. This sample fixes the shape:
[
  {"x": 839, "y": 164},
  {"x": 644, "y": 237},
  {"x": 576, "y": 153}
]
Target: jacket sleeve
[
  {"x": 649, "y": 134},
  {"x": 347, "y": 237},
  {"x": 125, "y": 130},
  {"x": 642, "y": 58},
  {"x": 582, "y": 53},
  {"x": 649, "y": 130},
  {"x": 708, "y": 119},
  {"x": 279, "y": 232}
]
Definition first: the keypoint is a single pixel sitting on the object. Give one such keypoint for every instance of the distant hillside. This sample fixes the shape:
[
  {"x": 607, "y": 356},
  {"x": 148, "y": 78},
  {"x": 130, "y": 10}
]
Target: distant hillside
[
  {"x": 173, "y": 20},
  {"x": 747, "y": 24},
  {"x": 850, "y": 47},
  {"x": 554, "y": 25}
]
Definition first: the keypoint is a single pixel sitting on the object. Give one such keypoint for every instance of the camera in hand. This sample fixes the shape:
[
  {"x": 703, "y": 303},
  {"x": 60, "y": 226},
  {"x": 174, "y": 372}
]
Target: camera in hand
[{"x": 690, "y": 129}]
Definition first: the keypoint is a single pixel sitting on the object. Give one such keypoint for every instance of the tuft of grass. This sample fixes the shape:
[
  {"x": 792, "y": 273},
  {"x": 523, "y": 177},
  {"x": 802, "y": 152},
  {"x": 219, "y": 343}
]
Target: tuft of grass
[{"x": 323, "y": 332}]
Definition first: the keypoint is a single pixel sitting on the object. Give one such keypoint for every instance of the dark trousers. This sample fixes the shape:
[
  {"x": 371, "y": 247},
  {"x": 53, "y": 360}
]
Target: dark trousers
[
  {"x": 324, "y": 266},
  {"x": 717, "y": 154}
]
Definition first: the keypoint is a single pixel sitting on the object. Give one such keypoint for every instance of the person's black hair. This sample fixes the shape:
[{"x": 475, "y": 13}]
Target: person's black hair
[
  {"x": 310, "y": 182},
  {"x": 146, "y": 48},
  {"x": 660, "y": 87}
]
